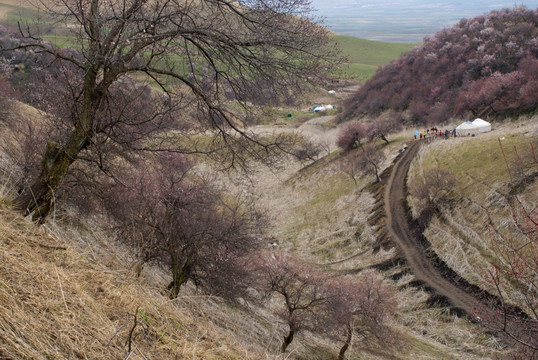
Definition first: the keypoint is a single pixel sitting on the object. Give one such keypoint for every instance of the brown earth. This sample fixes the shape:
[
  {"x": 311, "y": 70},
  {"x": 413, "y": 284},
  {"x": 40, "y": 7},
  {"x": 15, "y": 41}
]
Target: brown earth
[{"x": 409, "y": 238}]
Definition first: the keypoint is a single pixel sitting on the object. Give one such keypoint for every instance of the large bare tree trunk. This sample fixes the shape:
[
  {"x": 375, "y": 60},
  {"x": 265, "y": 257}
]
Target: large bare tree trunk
[
  {"x": 287, "y": 340},
  {"x": 346, "y": 345},
  {"x": 38, "y": 199},
  {"x": 181, "y": 273}
]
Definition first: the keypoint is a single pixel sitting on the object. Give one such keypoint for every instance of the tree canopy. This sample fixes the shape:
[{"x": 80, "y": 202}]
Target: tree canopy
[{"x": 199, "y": 56}]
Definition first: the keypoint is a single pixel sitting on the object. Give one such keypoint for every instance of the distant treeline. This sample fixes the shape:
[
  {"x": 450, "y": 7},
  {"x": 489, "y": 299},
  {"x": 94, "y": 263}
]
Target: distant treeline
[{"x": 482, "y": 66}]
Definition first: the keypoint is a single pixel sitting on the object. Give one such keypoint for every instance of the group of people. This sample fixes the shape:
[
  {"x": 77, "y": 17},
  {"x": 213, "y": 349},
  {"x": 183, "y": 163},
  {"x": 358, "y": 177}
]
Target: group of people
[{"x": 434, "y": 132}]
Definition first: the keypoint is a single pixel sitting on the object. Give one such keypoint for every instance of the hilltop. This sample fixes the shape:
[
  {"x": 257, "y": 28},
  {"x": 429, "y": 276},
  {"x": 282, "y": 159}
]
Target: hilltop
[{"x": 485, "y": 66}]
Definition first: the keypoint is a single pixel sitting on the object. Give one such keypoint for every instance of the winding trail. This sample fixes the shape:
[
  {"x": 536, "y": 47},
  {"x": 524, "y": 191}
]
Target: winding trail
[
  {"x": 509, "y": 322},
  {"x": 409, "y": 239}
]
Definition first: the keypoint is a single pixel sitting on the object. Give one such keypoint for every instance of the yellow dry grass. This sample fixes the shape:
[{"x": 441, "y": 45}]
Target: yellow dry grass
[
  {"x": 56, "y": 304},
  {"x": 67, "y": 290}
]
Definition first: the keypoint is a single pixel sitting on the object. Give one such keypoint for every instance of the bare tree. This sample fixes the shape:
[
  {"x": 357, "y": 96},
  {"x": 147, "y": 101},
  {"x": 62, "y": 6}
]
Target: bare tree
[
  {"x": 351, "y": 134},
  {"x": 370, "y": 159},
  {"x": 301, "y": 286},
  {"x": 384, "y": 125},
  {"x": 365, "y": 162},
  {"x": 184, "y": 223},
  {"x": 196, "y": 52},
  {"x": 350, "y": 165},
  {"x": 434, "y": 188},
  {"x": 360, "y": 307},
  {"x": 307, "y": 151}
]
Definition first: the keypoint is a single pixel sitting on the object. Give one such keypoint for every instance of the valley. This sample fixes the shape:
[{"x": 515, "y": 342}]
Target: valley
[{"x": 170, "y": 191}]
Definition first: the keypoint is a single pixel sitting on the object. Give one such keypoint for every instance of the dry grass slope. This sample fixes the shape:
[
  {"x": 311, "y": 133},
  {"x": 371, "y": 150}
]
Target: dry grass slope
[
  {"x": 68, "y": 290},
  {"x": 57, "y": 304}
]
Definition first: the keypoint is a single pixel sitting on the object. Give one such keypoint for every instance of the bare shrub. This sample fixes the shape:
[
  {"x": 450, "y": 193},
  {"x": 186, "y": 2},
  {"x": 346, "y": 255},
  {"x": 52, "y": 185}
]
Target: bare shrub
[
  {"x": 435, "y": 187},
  {"x": 514, "y": 273},
  {"x": 350, "y": 135},
  {"x": 194, "y": 229}
]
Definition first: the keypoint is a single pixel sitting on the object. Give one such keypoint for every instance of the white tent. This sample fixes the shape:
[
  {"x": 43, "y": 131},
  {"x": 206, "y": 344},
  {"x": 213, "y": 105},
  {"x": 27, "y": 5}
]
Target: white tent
[
  {"x": 467, "y": 129},
  {"x": 319, "y": 108},
  {"x": 483, "y": 125}
]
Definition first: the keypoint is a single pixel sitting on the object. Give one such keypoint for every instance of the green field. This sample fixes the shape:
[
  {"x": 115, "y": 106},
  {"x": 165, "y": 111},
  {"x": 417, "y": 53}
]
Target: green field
[{"x": 365, "y": 56}]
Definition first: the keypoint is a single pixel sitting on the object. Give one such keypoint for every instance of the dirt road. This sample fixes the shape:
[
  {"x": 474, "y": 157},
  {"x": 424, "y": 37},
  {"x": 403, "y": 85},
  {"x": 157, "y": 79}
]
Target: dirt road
[
  {"x": 410, "y": 240},
  {"x": 506, "y": 321}
]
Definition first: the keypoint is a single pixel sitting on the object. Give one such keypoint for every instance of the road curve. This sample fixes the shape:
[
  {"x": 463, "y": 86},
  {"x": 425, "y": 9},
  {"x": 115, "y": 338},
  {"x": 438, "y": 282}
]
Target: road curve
[{"x": 408, "y": 237}]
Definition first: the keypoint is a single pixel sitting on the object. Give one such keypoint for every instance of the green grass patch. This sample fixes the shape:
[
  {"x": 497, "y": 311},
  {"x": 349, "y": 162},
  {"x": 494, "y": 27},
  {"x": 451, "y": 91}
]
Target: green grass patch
[
  {"x": 430, "y": 350},
  {"x": 370, "y": 52},
  {"x": 361, "y": 72},
  {"x": 481, "y": 160},
  {"x": 63, "y": 41},
  {"x": 366, "y": 56},
  {"x": 305, "y": 173}
]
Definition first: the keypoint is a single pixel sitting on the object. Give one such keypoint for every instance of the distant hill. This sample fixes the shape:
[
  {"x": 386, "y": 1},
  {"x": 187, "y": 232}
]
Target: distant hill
[
  {"x": 365, "y": 55},
  {"x": 482, "y": 66}
]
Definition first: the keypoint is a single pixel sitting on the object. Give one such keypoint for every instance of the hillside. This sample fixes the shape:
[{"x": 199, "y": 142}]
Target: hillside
[
  {"x": 366, "y": 56},
  {"x": 92, "y": 291},
  {"x": 64, "y": 298},
  {"x": 479, "y": 67},
  {"x": 168, "y": 222}
]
